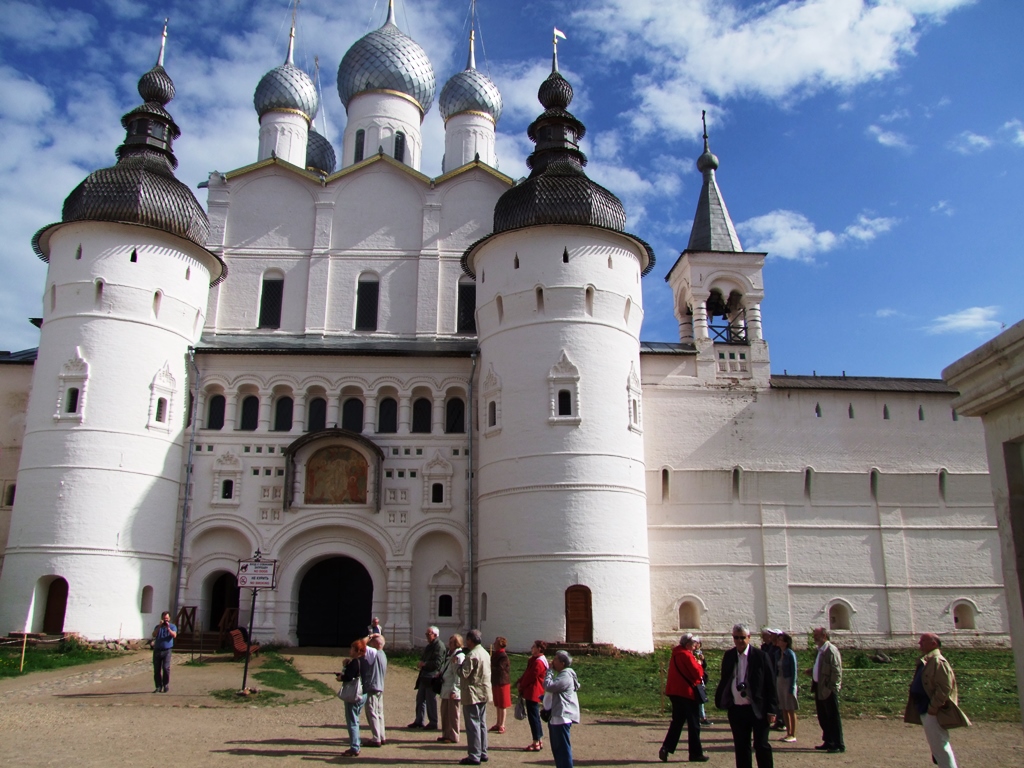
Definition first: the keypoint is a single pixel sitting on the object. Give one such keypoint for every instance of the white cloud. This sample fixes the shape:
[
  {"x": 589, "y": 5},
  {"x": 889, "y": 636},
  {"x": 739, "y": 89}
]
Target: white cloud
[
  {"x": 35, "y": 28},
  {"x": 896, "y": 114},
  {"x": 886, "y": 312},
  {"x": 943, "y": 207},
  {"x": 1015, "y": 129},
  {"x": 970, "y": 143},
  {"x": 791, "y": 235},
  {"x": 712, "y": 50},
  {"x": 970, "y": 320},
  {"x": 888, "y": 138}
]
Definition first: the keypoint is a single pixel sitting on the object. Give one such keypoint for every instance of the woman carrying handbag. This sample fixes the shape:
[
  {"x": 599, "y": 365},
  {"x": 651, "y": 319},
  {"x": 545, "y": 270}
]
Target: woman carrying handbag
[{"x": 685, "y": 688}]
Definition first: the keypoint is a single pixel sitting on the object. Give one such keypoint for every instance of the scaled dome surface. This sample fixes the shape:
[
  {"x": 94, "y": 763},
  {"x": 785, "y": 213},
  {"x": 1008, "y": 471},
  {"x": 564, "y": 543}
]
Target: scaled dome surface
[
  {"x": 286, "y": 88},
  {"x": 320, "y": 154},
  {"x": 470, "y": 91},
  {"x": 387, "y": 60}
]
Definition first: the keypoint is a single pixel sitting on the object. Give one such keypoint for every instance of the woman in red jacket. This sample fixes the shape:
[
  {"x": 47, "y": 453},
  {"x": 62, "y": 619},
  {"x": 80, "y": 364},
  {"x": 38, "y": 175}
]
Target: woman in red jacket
[
  {"x": 531, "y": 687},
  {"x": 683, "y": 674}
]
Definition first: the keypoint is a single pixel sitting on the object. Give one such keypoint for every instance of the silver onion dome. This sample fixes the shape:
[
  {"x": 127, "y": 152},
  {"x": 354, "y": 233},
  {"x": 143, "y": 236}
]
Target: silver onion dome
[
  {"x": 387, "y": 60},
  {"x": 319, "y": 153},
  {"x": 470, "y": 91},
  {"x": 287, "y": 88}
]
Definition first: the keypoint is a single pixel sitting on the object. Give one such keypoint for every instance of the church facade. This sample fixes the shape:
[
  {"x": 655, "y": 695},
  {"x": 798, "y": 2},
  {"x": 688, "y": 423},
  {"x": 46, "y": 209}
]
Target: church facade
[{"x": 427, "y": 400}]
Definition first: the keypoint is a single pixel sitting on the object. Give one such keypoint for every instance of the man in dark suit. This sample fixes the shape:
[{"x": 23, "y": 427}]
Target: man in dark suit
[{"x": 747, "y": 690}]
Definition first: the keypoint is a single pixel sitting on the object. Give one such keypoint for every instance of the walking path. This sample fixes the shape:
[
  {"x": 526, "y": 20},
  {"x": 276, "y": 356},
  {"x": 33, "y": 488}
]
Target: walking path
[{"x": 106, "y": 714}]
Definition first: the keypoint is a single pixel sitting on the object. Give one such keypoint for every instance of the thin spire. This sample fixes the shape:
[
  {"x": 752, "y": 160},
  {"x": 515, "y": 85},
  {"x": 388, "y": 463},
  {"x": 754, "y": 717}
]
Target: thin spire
[
  {"x": 704, "y": 122},
  {"x": 471, "y": 63},
  {"x": 713, "y": 229},
  {"x": 554, "y": 44},
  {"x": 391, "y": 13},
  {"x": 163, "y": 46},
  {"x": 290, "y": 59}
]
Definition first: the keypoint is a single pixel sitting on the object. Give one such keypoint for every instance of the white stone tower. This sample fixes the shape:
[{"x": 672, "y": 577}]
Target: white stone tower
[
  {"x": 387, "y": 86},
  {"x": 286, "y": 101},
  {"x": 93, "y": 530},
  {"x": 470, "y": 104},
  {"x": 562, "y": 537}
]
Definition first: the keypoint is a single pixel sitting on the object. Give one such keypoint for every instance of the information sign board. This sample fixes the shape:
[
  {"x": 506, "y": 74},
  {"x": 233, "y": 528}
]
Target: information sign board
[{"x": 257, "y": 574}]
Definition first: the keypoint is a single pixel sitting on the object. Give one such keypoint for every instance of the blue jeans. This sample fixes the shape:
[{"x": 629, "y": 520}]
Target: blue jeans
[
  {"x": 162, "y": 668},
  {"x": 352, "y": 712},
  {"x": 561, "y": 745},
  {"x": 533, "y": 717},
  {"x": 474, "y": 717}
]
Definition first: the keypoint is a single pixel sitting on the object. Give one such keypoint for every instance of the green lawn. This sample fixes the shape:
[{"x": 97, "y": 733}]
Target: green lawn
[
  {"x": 633, "y": 684},
  {"x": 40, "y": 657}
]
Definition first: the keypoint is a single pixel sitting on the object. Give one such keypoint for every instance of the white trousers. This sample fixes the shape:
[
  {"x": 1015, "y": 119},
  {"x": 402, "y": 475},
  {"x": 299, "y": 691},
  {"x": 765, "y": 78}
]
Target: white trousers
[
  {"x": 375, "y": 715},
  {"x": 938, "y": 740}
]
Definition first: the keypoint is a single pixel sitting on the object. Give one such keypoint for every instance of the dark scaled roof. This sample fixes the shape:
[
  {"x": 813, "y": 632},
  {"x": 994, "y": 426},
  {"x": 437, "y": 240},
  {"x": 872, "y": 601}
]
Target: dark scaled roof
[
  {"x": 558, "y": 190},
  {"x": 387, "y": 60},
  {"x": 141, "y": 187},
  {"x": 320, "y": 154},
  {"x": 712, "y": 229}
]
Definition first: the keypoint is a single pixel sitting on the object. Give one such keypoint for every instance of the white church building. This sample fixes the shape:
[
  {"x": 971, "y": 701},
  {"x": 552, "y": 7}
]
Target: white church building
[{"x": 427, "y": 400}]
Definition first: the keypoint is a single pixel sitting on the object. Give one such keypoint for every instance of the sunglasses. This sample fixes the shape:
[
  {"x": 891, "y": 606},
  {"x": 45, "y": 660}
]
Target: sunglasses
[{"x": 741, "y": 637}]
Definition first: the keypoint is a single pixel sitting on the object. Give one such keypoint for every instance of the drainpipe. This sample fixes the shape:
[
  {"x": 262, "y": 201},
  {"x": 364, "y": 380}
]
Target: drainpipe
[
  {"x": 188, "y": 482},
  {"x": 469, "y": 500}
]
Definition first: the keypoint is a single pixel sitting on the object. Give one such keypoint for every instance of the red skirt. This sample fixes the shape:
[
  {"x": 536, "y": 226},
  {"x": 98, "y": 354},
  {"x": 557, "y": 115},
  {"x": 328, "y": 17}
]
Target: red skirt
[{"x": 502, "y": 696}]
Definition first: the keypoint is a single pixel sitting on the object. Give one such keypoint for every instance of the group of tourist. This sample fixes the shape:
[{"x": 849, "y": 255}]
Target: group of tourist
[
  {"x": 466, "y": 678},
  {"x": 758, "y": 689}
]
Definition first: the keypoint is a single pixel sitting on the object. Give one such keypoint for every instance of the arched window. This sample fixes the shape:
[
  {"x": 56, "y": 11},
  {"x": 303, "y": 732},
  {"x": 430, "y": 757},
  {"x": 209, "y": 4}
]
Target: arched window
[
  {"x": 387, "y": 416},
  {"x": 943, "y": 477},
  {"x": 283, "y": 409},
  {"x": 421, "y": 415},
  {"x": 540, "y": 299},
  {"x": 352, "y": 415},
  {"x": 689, "y": 615},
  {"x": 492, "y": 414},
  {"x": 161, "y": 410},
  {"x": 271, "y": 299},
  {"x": 367, "y": 298},
  {"x": 564, "y": 402},
  {"x": 146, "y": 605},
  {"x": 157, "y": 297},
  {"x": 850, "y": 410},
  {"x": 317, "y": 416},
  {"x": 400, "y": 147},
  {"x": 455, "y": 416},
  {"x": 874, "y": 484},
  {"x": 817, "y": 410},
  {"x": 920, "y": 413},
  {"x": 250, "y": 414},
  {"x": 227, "y": 489},
  {"x": 360, "y": 145},
  {"x": 964, "y": 616},
  {"x": 665, "y": 484},
  {"x": 589, "y": 300},
  {"x": 437, "y": 493},
  {"x": 885, "y": 412},
  {"x": 839, "y": 616},
  {"x": 808, "y": 478},
  {"x": 444, "y": 606},
  {"x": 215, "y": 412},
  {"x": 499, "y": 305},
  {"x": 736, "y": 474},
  {"x": 466, "y": 320},
  {"x": 565, "y": 255}
]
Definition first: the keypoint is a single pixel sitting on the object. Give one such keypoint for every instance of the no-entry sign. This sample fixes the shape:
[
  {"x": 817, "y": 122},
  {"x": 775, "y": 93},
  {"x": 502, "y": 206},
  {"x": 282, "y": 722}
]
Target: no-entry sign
[{"x": 257, "y": 574}]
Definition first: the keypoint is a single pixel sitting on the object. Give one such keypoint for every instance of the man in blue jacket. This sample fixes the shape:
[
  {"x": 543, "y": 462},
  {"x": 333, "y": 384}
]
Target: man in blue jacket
[{"x": 163, "y": 641}]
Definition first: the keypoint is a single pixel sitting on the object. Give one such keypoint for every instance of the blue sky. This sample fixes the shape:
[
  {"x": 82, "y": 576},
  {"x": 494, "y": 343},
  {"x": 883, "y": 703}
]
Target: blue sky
[{"x": 875, "y": 148}]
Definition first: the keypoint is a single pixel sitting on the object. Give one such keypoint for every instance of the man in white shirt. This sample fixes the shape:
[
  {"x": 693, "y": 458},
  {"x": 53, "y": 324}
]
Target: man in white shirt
[{"x": 747, "y": 690}]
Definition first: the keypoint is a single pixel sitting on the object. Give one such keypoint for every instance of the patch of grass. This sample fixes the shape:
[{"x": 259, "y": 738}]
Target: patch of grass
[
  {"x": 196, "y": 663},
  {"x": 259, "y": 699},
  {"x": 40, "y": 658},
  {"x": 279, "y": 672},
  {"x": 633, "y": 684}
]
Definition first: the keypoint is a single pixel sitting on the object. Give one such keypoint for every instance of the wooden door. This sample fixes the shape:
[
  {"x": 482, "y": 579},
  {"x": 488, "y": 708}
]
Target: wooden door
[
  {"x": 579, "y": 620},
  {"x": 56, "y": 607}
]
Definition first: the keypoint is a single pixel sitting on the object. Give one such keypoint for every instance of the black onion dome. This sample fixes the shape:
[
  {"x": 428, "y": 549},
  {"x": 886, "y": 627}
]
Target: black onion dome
[
  {"x": 555, "y": 92},
  {"x": 141, "y": 188},
  {"x": 320, "y": 154},
  {"x": 387, "y": 60},
  {"x": 156, "y": 86}
]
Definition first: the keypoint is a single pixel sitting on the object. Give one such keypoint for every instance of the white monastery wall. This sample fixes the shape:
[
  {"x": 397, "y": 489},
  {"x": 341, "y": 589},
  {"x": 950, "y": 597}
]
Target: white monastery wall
[{"x": 15, "y": 384}]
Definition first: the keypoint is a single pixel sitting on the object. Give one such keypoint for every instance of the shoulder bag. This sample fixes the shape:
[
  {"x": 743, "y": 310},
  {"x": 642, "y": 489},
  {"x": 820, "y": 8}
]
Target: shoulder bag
[
  {"x": 700, "y": 691},
  {"x": 352, "y": 690}
]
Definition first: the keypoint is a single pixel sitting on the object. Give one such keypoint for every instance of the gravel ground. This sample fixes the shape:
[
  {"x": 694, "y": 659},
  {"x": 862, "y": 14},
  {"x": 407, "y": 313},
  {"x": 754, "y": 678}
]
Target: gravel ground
[{"x": 106, "y": 714}]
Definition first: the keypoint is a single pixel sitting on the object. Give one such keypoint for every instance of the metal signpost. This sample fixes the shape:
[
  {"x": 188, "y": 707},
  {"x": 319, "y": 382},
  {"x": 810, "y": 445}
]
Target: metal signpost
[{"x": 254, "y": 574}]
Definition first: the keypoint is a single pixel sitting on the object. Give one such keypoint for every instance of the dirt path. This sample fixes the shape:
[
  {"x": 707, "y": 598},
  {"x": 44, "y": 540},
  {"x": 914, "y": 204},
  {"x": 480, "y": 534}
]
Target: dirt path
[{"x": 106, "y": 714}]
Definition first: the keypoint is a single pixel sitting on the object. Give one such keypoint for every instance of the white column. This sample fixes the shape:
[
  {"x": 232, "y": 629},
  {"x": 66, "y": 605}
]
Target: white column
[
  {"x": 754, "y": 330},
  {"x": 700, "y": 318},
  {"x": 284, "y": 135},
  {"x": 265, "y": 408}
]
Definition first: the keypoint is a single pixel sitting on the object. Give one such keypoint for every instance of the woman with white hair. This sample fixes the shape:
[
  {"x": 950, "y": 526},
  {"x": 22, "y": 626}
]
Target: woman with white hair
[
  {"x": 561, "y": 682},
  {"x": 684, "y": 675}
]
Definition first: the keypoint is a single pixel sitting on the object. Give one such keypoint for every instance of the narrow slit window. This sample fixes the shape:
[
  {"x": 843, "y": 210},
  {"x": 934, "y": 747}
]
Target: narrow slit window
[
  {"x": 817, "y": 410},
  {"x": 492, "y": 414},
  {"x": 466, "y": 320},
  {"x": 271, "y": 301},
  {"x": 135, "y": 255},
  {"x": 72, "y": 401},
  {"x": 367, "y": 298},
  {"x": 400, "y": 147},
  {"x": 920, "y": 413},
  {"x": 157, "y": 298},
  {"x": 515, "y": 262},
  {"x": 161, "y": 410},
  {"x": 885, "y": 412},
  {"x": 540, "y": 299},
  {"x": 78, "y": 252},
  {"x": 565, "y": 256},
  {"x": 666, "y": 479},
  {"x": 589, "y": 301},
  {"x": 360, "y": 145},
  {"x": 850, "y": 410}
]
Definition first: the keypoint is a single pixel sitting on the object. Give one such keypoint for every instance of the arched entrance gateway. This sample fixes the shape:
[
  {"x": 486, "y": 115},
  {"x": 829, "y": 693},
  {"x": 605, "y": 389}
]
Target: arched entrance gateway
[
  {"x": 335, "y": 603},
  {"x": 224, "y": 602}
]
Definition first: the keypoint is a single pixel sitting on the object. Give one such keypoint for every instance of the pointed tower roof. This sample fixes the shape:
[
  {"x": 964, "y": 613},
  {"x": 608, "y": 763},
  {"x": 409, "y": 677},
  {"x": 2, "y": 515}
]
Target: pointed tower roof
[{"x": 713, "y": 229}]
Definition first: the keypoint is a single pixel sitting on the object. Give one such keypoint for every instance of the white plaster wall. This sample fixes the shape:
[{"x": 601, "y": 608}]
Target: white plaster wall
[
  {"x": 382, "y": 115},
  {"x": 15, "y": 383},
  {"x": 284, "y": 135},
  {"x": 466, "y": 135}
]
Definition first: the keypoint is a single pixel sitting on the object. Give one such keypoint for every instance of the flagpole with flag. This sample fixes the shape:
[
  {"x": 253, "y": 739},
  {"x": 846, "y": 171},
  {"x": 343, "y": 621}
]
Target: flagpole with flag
[{"x": 554, "y": 42}]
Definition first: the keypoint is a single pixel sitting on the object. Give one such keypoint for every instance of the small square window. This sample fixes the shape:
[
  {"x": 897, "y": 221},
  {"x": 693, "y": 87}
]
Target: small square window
[
  {"x": 419, "y": 451},
  {"x": 412, "y": 473},
  {"x": 209, "y": 449},
  {"x": 407, "y": 451},
  {"x": 401, "y": 473},
  {"x": 199, "y": 447},
  {"x": 280, "y": 472},
  {"x": 743, "y": 355},
  {"x": 267, "y": 472},
  {"x": 256, "y": 471},
  {"x": 259, "y": 449},
  {"x": 388, "y": 473},
  {"x": 732, "y": 355},
  {"x": 394, "y": 451},
  {"x": 455, "y": 451},
  {"x": 270, "y": 449},
  {"x": 721, "y": 355},
  {"x": 246, "y": 449}
]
